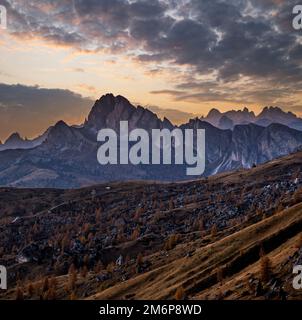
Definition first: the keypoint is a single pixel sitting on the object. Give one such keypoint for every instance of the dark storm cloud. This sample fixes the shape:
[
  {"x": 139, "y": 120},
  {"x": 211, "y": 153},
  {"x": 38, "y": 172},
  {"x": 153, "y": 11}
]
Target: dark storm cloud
[
  {"x": 21, "y": 106},
  {"x": 149, "y": 29},
  {"x": 228, "y": 39}
]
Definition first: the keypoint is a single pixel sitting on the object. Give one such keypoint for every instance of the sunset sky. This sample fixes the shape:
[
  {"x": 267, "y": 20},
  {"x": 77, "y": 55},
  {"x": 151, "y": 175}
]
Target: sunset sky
[{"x": 57, "y": 57}]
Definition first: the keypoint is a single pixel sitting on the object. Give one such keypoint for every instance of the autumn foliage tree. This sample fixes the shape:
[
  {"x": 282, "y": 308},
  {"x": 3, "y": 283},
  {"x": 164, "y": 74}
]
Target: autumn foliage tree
[
  {"x": 265, "y": 269},
  {"x": 73, "y": 296},
  {"x": 180, "y": 294},
  {"x": 135, "y": 233},
  {"x": 299, "y": 242},
  {"x": 171, "y": 242},
  {"x": 72, "y": 277},
  {"x": 220, "y": 274},
  {"x": 84, "y": 272},
  {"x": 214, "y": 231},
  {"x": 19, "y": 294},
  {"x": 45, "y": 285},
  {"x": 139, "y": 259},
  {"x": 30, "y": 289}
]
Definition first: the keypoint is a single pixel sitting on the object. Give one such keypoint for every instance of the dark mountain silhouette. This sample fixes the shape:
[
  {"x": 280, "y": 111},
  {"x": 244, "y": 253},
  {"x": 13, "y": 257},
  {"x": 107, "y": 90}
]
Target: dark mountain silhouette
[
  {"x": 15, "y": 141},
  {"x": 66, "y": 156},
  {"x": 268, "y": 116}
]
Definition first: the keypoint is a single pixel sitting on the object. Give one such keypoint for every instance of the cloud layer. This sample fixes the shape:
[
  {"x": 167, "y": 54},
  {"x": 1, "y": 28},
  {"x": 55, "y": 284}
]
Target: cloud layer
[
  {"x": 231, "y": 50},
  {"x": 31, "y": 110}
]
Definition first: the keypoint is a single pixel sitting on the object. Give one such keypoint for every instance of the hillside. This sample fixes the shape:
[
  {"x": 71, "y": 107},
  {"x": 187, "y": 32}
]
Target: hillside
[
  {"x": 137, "y": 240},
  {"x": 236, "y": 257}
]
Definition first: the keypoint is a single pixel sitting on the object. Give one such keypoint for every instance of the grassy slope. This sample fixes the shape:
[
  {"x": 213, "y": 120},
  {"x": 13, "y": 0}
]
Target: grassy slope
[{"x": 237, "y": 253}]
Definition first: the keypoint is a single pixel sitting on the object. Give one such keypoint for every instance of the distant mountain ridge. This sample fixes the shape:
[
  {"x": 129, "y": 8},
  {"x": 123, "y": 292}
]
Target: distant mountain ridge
[
  {"x": 268, "y": 116},
  {"x": 65, "y": 156},
  {"x": 15, "y": 141}
]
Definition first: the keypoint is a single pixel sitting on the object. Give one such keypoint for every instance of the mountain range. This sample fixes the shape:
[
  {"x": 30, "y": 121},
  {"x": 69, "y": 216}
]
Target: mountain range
[
  {"x": 65, "y": 156},
  {"x": 268, "y": 116},
  {"x": 15, "y": 141}
]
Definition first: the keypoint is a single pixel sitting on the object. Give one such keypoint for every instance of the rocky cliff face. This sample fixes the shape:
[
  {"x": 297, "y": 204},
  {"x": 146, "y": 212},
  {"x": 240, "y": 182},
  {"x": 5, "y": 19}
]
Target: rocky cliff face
[
  {"x": 66, "y": 156},
  {"x": 246, "y": 145},
  {"x": 108, "y": 111}
]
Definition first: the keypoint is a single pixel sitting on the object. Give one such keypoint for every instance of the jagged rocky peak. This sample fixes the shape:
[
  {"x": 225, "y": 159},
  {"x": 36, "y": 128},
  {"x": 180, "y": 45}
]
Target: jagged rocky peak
[
  {"x": 59, "y": 130},
  {"x": 15, "y": 141},
  {"x": 61, "y": 134},
  {"x": 244, "y": 116},
  {"x": 213, "y": 113},
  {"x": 241, "y": 116},
  {"x": 275, "y": 111},
  {"x": 109, "y": 110},
  {"x": 251, "y": 113},
  {"x": 277, "y": 115},
  {"x": 61, "y": 124},
  {"x": 244, "y": 112},
  {"x": 271, "y": 110},
  {"x": 213, "y": 117},
  {"x": 122, "y": 100},
  {"x": 224, "y": 119},
  {"x": 109, "y": 102},
  {"x": 15, "y": 137},
  {"x": 107, "y": 105}
]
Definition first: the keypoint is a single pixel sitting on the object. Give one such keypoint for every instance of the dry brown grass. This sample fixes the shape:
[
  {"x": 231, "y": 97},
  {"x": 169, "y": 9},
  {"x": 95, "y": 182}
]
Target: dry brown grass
[{"x": 199, "y": 272}]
